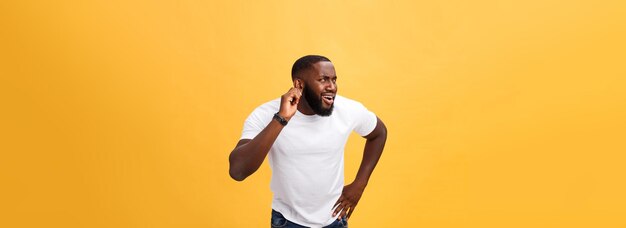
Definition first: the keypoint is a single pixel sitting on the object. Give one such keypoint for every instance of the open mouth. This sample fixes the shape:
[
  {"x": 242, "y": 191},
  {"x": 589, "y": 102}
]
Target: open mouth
[{"x": 328, "y": 99}]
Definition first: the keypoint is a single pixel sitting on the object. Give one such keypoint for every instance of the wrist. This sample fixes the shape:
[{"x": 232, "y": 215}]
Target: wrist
[
  {"x": 280, "y": 118},
  {"x": 284, "y": 115},
  {"x": 359, "y": 182}
]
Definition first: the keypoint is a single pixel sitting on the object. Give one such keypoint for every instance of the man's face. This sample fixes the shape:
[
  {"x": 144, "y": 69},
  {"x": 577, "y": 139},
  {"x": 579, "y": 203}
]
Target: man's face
[{"x": 320, "y": 88}]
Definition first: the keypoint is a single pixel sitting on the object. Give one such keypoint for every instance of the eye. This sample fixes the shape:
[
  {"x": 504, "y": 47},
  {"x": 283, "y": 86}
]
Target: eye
[{"x": 322, "y": 80}]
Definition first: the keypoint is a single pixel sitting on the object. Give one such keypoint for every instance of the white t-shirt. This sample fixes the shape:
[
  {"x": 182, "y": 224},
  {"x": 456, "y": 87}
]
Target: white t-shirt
[{"x": 307, "y": 157}]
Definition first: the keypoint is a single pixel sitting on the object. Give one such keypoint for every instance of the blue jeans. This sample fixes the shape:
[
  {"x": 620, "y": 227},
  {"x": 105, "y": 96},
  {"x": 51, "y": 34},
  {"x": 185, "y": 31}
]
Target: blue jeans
[{"x": 278, "y": 220}]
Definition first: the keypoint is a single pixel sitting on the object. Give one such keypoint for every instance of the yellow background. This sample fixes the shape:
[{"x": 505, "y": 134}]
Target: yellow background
[{"x": 500, "y": 113}]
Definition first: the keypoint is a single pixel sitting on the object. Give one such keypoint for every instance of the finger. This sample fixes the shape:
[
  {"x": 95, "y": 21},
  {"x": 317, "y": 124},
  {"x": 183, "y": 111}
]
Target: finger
[
  {"x": 296, "y": 93},
  {"x": 287, "y": 95},
  {"x": 343, "y": 212},
  {"x": 337, "y": 209},
  {"x": 293, "y": 96},
  {"x": 338, "y": 201},
  {"x": 351, "y": 210},
  {"x": 296, "y": 98},
  {"x": 343, "y": 209}
]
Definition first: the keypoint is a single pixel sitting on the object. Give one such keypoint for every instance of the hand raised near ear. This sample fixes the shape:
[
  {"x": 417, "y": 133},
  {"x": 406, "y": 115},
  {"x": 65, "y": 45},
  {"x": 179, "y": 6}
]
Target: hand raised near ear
[{"x": 289, "y": 103}]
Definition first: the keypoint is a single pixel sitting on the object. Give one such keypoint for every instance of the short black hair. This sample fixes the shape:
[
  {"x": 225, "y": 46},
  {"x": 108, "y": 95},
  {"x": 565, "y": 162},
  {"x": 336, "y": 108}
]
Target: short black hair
[{"x": 305, "y": 62}]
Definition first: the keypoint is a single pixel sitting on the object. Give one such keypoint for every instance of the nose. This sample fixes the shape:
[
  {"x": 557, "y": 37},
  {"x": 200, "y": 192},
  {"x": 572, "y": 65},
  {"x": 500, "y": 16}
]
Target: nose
[{"x": 332, "y": 86}]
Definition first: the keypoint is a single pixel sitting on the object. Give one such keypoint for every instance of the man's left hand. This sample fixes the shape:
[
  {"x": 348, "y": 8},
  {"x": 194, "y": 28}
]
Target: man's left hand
[{"x": 348, "y": 200}]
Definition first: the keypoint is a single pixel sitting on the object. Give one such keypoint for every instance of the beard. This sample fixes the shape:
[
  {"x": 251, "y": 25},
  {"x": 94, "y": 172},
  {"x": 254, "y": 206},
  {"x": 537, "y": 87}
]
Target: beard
[{"x": 315, "y": 102}]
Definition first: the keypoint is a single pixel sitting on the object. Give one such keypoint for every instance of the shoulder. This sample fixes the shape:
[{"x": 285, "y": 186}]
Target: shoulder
[{"x": 347, "y": 103}]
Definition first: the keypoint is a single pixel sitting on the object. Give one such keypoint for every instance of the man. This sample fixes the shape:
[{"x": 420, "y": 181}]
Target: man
[{"x": 305, "y": 140}]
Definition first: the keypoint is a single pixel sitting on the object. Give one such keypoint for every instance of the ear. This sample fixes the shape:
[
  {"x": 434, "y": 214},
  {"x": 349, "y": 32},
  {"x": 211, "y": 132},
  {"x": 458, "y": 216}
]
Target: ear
[{"x": 297, "y": 83}]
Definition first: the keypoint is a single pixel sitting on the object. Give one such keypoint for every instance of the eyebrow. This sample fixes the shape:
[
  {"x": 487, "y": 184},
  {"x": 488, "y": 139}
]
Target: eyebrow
[{"x": 328, "y": 76}]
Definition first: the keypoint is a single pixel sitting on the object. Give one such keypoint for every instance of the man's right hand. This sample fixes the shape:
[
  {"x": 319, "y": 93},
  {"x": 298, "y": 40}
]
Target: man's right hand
[
  {"x": 249, "y": 154},
  {"x": 289, "y": 103}
]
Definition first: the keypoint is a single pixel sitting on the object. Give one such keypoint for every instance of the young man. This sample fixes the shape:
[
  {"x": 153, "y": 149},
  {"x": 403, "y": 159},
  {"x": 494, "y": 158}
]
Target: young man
[{"x": 305, "y": 140}]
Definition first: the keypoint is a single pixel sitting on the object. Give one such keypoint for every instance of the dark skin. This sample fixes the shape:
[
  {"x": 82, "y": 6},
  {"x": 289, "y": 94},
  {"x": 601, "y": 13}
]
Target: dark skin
[{"x": 321, "y": 78}]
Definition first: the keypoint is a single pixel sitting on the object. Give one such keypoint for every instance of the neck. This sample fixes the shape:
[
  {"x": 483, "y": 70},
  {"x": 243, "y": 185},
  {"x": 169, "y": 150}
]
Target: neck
[{"x": 304, "y": 107}]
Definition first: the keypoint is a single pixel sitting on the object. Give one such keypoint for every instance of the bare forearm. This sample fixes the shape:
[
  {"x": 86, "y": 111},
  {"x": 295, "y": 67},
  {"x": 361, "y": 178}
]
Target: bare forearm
[
  {"x": 247, "y": 158},
  {"x": 352, "y": 192},
  {"x": 371, "y": 154}
]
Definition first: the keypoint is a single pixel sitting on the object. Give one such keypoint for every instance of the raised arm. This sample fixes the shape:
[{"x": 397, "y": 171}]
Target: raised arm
[
  {"x": 249, "y": 154},
  {"x": 373, "y": 150}
]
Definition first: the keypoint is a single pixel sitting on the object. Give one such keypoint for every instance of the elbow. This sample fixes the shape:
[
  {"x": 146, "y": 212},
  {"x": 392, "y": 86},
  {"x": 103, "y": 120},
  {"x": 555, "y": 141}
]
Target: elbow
[
  {"x": 236, "y": 175},
  {"x": 234, "y": 172}
]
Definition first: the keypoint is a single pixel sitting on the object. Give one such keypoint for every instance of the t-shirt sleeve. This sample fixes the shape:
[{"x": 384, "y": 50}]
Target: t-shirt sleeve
[
  {"x": 365, "y": 120},
  {"x": 254, "y": 124}
]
